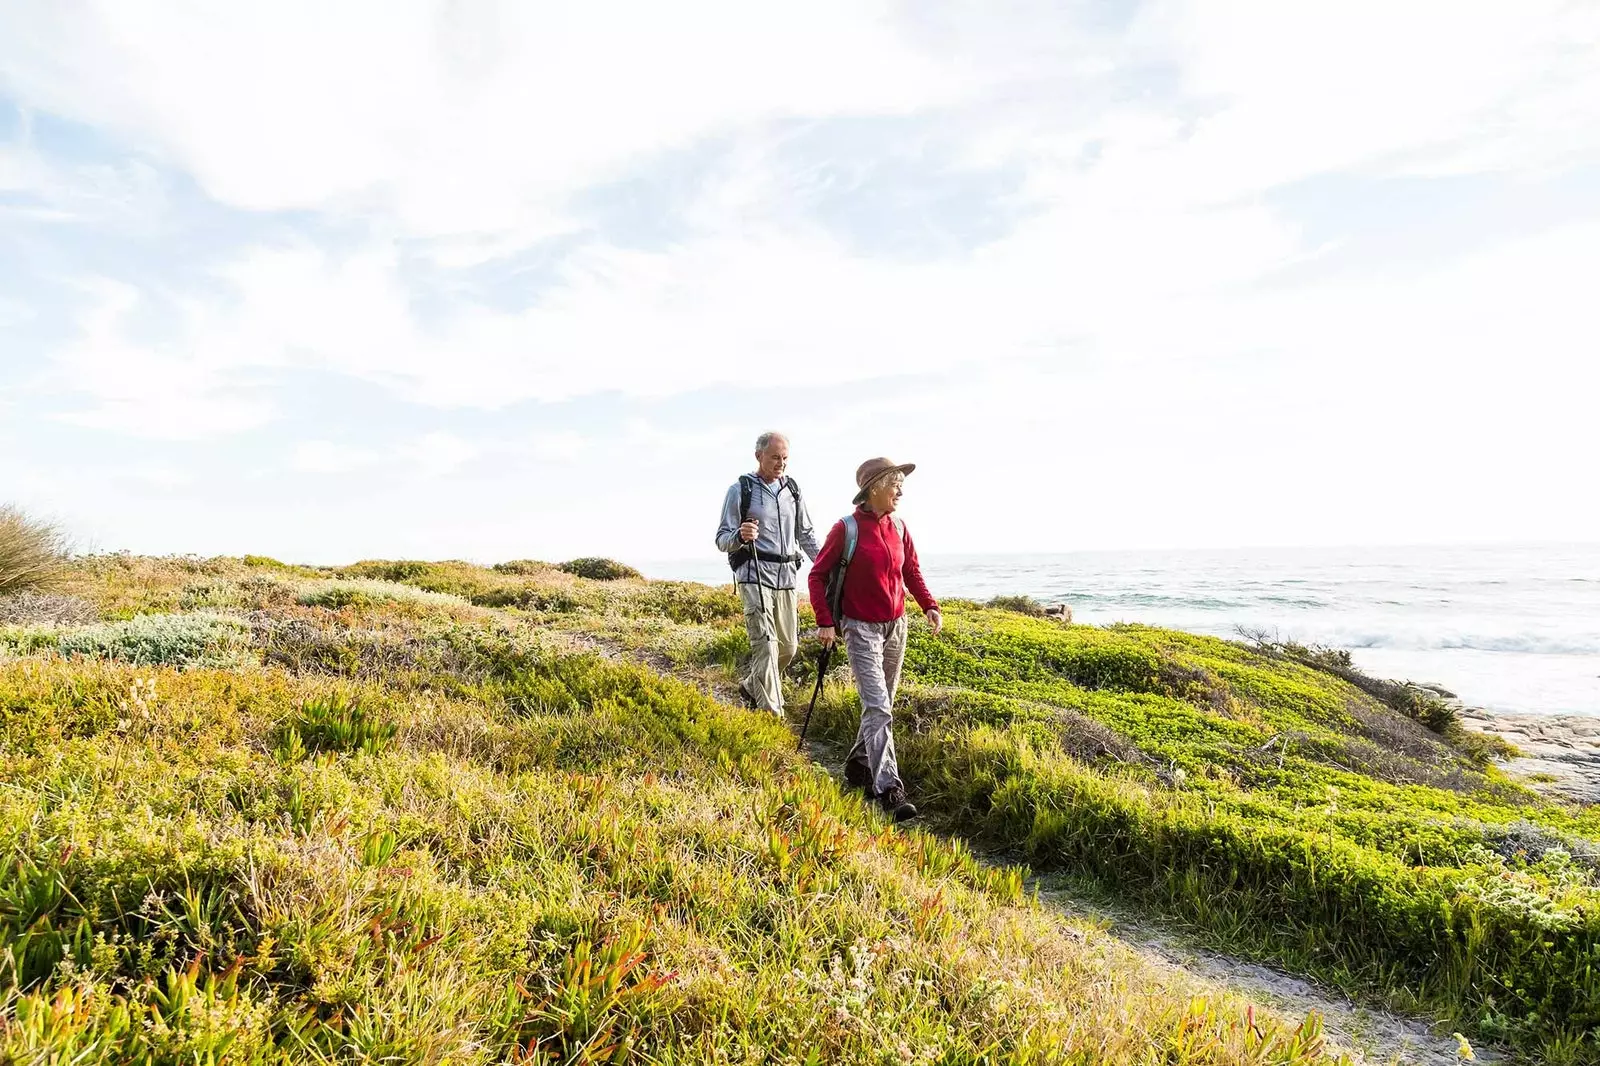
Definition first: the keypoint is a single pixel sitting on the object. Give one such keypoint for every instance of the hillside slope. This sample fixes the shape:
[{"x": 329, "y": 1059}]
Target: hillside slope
[
  {"x": 260, "y": 815},
  {"x": 398, "y": 809}
]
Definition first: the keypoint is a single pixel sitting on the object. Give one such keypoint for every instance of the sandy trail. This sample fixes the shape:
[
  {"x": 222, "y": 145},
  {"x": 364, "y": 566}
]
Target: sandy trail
[{"x": 1369, "y": 1034}]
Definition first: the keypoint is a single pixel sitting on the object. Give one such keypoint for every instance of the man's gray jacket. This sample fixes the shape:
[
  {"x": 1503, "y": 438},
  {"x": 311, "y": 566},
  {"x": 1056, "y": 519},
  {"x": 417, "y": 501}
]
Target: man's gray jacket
[{"x": 785, "y": 530}]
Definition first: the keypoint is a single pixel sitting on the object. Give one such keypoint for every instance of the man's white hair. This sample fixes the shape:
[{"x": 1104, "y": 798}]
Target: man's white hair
[{"x": 766, "y": 439}]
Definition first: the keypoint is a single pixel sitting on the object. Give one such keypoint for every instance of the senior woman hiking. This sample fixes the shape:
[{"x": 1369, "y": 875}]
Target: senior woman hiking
[{"x": 880, "y": 565}]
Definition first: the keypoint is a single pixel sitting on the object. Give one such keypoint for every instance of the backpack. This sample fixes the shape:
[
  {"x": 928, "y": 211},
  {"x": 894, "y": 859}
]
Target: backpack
[
  {"x": 852, "y": 535},
  {"x": 745, "y": 552}
]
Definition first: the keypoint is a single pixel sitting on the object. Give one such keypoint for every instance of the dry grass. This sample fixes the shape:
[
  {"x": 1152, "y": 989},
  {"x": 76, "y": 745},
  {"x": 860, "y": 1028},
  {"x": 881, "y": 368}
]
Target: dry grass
[{"x": 32, "y": 553}]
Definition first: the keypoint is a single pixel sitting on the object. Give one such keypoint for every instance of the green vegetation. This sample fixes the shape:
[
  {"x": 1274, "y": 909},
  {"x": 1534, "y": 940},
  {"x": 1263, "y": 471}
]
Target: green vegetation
[
  {"x": 334, "y": 723},
  {"x": 407, "y": 827},
  {"x": 1266, "y": 800},
  {"x": 146, "y": 640},
  {"x": 600, "y": 569},
  {"x": 32, "y": 553},
  {"x": 1019, "y": 604}
]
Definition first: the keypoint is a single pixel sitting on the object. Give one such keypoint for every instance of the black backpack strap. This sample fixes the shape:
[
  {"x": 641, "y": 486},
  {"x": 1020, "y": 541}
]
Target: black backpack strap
[{"x": 743, "y": 554}]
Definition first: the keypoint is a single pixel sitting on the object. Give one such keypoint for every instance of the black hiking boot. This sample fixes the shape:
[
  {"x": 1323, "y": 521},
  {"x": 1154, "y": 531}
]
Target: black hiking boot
[
  {"x": 857, "y": 774},
  {"x": 746, "y": 696},
  {"x": 895, "y": 802}
]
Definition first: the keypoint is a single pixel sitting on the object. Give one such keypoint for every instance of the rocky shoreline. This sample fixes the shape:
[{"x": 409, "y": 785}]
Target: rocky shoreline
[{"x": 1560, "y": 752}]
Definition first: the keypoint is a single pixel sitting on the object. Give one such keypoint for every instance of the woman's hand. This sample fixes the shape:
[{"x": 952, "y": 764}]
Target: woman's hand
[
  {"x": 826, "y": 635},
  {"x": 935, "y": 622}
]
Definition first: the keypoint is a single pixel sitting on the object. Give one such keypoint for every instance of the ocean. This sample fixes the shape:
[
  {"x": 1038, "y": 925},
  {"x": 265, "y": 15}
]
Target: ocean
[{"x": 1514, "y": 629}]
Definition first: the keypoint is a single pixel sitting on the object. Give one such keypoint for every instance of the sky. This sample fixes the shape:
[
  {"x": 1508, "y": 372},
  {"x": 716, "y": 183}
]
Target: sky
[{"x": 488, "y": 279}]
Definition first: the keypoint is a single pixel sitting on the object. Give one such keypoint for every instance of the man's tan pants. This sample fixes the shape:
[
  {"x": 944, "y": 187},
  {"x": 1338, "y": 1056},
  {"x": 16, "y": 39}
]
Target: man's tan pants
[{"x": 771, "y": 621}]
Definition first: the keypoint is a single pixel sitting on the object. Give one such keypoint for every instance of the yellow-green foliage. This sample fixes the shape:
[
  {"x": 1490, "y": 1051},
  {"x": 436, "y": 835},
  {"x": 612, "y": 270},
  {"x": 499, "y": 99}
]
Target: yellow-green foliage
[
  {"x": 405, "y": 830},
  {"x": 598, "y": 569},
  {"x": 1270, "y": 802}
]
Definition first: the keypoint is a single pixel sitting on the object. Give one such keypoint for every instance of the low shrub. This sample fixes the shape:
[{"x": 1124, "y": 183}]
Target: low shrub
[
  {"x": 1019, "y": 604},
  {"x": 523, "y": 567},
  {"x": 387, "y": 569},
  {"x": 1414, "y": 701},
  {"x": 32, "y": 553},
  {"x": 688, "y": 603},
  {"x": 196, "y": 639},
  {"x": 363, "y": 593},
  {"x": 597, "y": 569}
]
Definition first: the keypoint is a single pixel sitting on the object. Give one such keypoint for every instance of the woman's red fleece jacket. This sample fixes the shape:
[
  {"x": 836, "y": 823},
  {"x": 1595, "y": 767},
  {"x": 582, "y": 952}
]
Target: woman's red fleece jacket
[{"x": 884, "y": 569}]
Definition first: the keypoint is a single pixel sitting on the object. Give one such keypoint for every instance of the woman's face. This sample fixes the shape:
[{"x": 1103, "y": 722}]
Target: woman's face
[{"x": 884, "y": 495}]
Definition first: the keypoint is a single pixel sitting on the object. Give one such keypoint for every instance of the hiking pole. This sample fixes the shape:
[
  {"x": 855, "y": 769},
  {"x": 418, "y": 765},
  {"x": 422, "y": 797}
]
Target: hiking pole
[
  {"x": 761, "y": 596},
  {"x": 822, "y": 672}
]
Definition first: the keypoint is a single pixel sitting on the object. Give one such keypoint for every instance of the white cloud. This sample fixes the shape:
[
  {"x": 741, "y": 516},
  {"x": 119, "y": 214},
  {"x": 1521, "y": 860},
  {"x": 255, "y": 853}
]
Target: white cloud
[
  {"x": 328, "y": 457},
  {"x": 161, "y": 477},
  {"x": 560, "y": 445},
  {"x": 128, "y": 194},
  {"x": 164, "y": 391},
  {"x": 1286, "y": 91},
  {"x": 438, "y": 454},
  {"x": 458, "y": 117},
  {"x": 1137, "y": 322},
  {"x": 13, "y": 313}
]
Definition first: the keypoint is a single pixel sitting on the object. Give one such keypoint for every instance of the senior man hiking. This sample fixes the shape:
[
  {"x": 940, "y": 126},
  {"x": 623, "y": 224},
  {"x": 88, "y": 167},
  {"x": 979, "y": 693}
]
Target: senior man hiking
[
  {"x": 877, "y": 562},
  {"x": 764, "y": 529}
]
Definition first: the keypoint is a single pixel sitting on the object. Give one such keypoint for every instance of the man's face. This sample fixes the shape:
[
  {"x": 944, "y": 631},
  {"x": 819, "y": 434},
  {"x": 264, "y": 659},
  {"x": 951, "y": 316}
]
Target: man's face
[{"x": 774, "y": 459}]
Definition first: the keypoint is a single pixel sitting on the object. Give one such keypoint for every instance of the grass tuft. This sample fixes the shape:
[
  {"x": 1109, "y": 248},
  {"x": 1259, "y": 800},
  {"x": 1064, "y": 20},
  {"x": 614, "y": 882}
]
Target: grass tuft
[
  {"x": 32, "y": 553},
  {"x": 336, "y": 723}
]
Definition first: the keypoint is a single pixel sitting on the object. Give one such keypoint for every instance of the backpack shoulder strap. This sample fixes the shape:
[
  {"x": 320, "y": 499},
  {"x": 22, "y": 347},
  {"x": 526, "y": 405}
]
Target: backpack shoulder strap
[
  {"x": 900, "y": 528},
  {"x": 851, "y": 536},
  {"x": 794, "y": 490},
  {"x": 745, "y": 489}
]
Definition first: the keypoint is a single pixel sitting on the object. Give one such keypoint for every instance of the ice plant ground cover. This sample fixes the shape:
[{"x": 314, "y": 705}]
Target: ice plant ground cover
[{"x": 419, "y": 812}]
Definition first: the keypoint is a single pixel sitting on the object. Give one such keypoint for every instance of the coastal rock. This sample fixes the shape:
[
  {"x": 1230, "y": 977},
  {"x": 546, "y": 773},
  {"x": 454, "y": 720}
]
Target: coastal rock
[
  {"x": 1560, "y": 752},
  {"x": 1059, "y": 611}
]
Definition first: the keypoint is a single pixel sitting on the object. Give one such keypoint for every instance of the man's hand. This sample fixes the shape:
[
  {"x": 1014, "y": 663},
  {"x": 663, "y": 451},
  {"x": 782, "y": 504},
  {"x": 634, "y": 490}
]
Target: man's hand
[
  {"x": 826, "y": 635},
  {"x": 748, "y": 531},
  {"x": 935, "y": 622}
]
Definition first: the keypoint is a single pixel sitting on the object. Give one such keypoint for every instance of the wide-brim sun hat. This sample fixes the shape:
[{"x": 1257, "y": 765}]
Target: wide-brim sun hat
[{"x": 872, "y": 470}]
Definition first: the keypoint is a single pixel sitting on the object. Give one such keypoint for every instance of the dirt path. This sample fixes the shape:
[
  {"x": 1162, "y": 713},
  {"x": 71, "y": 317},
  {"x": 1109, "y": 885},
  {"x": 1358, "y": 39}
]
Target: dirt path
[{"x": 1370, "y": 1035}]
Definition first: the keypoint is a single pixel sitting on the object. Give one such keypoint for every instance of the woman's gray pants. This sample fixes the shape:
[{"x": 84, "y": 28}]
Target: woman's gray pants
[{"x": 876, "y": 651}]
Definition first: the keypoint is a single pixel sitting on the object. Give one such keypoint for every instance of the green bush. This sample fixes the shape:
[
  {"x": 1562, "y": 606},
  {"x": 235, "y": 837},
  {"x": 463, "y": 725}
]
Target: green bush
[
  {"x": 387, "y": 569},
  {"x": 266, "y": 561},
  {"x": 197, "y": 639},
  {"x": 32, "y": 553},
  {"x": 1020, "y": 604},
  {"x": 597, "y": 569},
  {"x": 364, "y": 593},
  {"x": 522, "y": 567}
]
